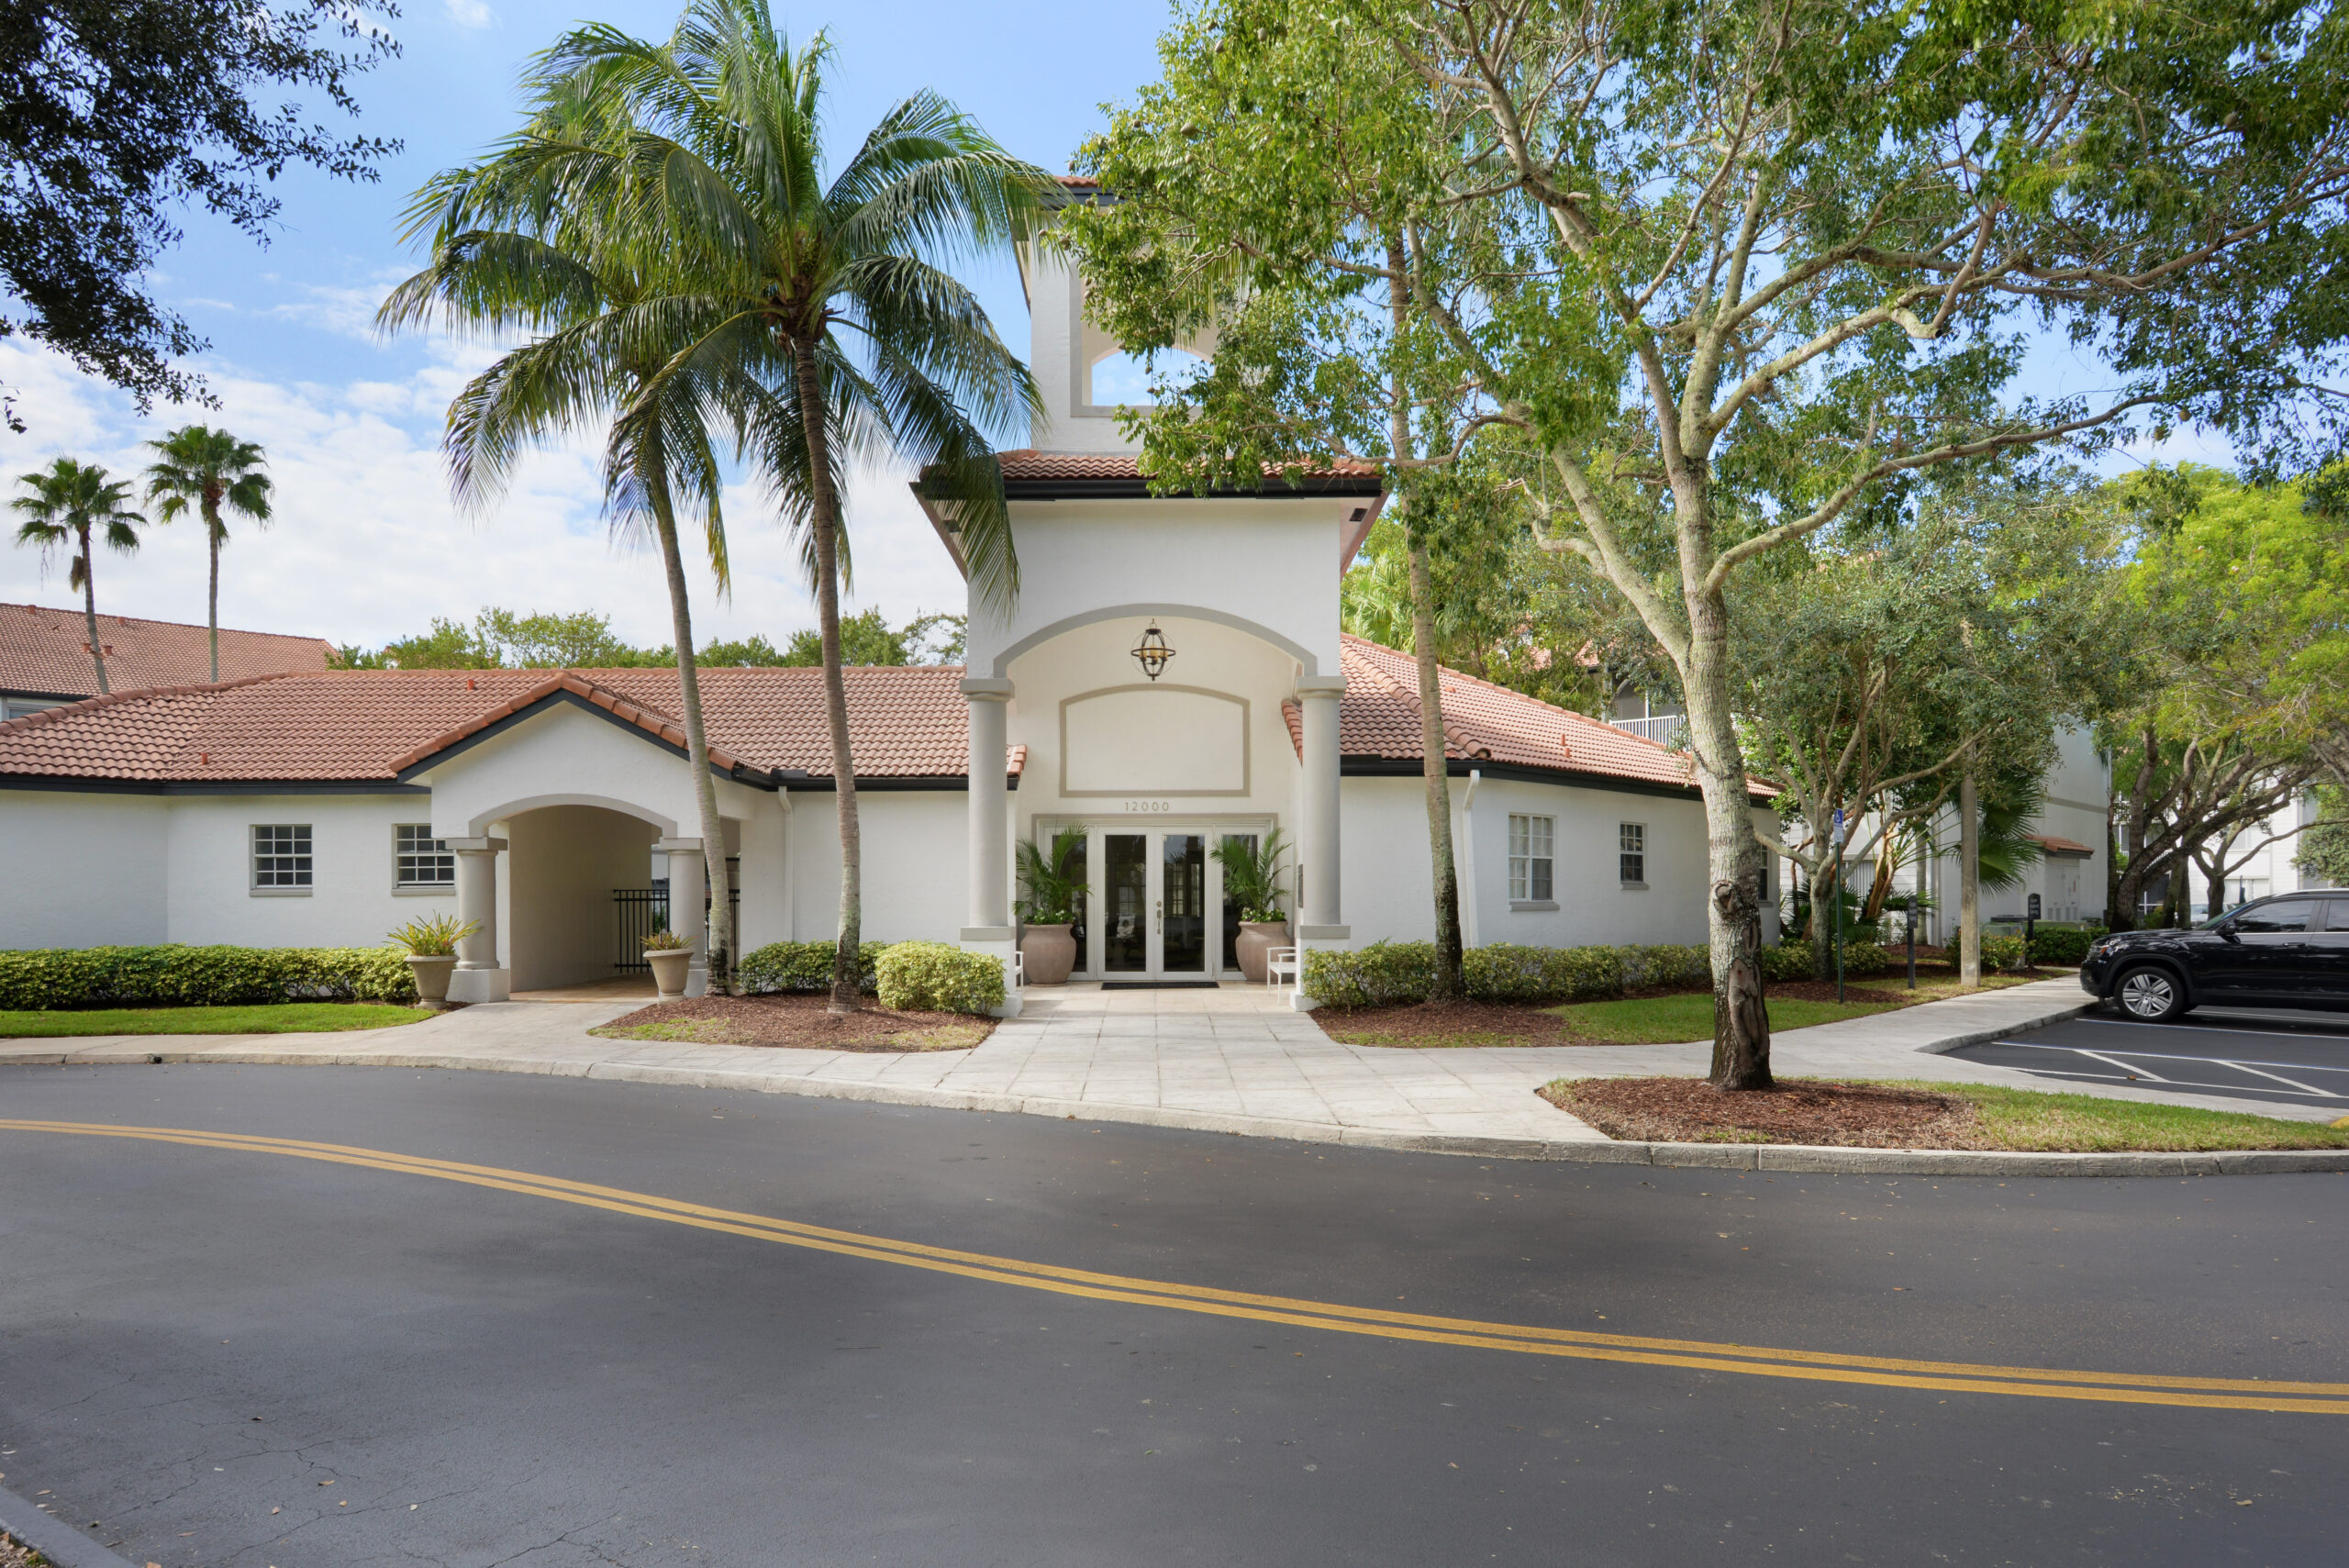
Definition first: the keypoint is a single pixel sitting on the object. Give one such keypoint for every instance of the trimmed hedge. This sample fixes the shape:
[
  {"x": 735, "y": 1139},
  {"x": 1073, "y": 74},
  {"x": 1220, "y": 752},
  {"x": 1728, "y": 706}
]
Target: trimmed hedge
[
  {"x": 2065, "y": 945},
  {"x": 1789, "y": 960},
  {"x": 175, "y": 975},
  {"x": 1387, "y": 973},
  {"x": 804, "y": 967},
  {"x": 930, "y": 977}
]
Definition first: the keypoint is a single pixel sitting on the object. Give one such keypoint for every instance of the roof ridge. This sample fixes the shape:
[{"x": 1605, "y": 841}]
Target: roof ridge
[{"x": 63, "y": 711}]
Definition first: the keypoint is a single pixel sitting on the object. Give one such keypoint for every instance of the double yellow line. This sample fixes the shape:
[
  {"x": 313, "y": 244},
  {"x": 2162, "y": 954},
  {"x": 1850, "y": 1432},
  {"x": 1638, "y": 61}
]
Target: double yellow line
[{"x": 1699, "y": 1356}]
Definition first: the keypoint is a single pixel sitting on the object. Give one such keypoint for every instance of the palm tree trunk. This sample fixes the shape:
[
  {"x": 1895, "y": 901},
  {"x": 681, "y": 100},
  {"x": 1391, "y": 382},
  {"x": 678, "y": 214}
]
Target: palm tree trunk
[
  {"x": 825, "y": 521},
  {"x": 1969, "y": 882},
  {"x": 212, "y": 601},
  {"x": 713, "y": 828},
  {"x": 90, "y": 608},
  {"x": 1450, "y": 981}
]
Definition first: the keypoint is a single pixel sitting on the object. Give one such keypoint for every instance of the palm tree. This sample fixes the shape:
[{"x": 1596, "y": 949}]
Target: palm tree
[
  {"x": 69, "y": 504},
  {"x": 819, "y": 317},
  {"x": 515, "y": 248},
  {"x": 209, "y": 470}
]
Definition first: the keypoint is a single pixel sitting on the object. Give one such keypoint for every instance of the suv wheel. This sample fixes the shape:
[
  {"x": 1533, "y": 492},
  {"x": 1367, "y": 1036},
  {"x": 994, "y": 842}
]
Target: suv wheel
[{"x": 2150, "y": 996}]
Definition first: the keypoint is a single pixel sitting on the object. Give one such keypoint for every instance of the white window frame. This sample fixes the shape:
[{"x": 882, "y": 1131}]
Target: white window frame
[
  {"x": 1532, "y": 861},
  {"x": 1632, "y": 845},
  {"x": 405, "y": 852},
  {"x": 298, "y": 848}
]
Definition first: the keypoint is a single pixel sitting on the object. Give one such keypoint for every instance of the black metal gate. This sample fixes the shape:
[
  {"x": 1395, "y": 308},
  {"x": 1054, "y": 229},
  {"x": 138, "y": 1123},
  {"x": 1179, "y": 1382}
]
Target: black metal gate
[{"x": 641, "y": 911}]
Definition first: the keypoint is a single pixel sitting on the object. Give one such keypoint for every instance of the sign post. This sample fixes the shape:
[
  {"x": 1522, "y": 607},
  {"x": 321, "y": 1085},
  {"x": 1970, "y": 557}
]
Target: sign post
[{"x": 1835, "y": 895}]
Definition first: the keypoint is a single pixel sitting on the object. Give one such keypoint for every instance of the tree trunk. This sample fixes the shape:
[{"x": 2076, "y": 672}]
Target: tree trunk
[
  {"x": 1969, "y": 882},
  {"x": 1734, "y": 855},
  {"x": 1823, "y": 922},
  {"x": 713, "y": 826},
  {"x": 90, "y": 609},
  {"x": 2214, "y": 875},
  {"x": 1450, "y": 981},
  {"x": 824, "y": 519},
  {"x": 212, "y": 594}
]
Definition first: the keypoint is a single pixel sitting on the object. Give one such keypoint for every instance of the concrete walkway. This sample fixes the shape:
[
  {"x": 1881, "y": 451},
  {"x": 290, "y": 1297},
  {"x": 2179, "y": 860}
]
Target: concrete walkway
[{"x": 1233, "y": 1059}]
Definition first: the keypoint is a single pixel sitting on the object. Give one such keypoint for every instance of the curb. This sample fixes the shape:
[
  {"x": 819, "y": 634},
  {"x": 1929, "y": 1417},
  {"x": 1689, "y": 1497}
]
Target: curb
[
  {"x": 1792, "y": 1157},
  {"x": 1983, "y": 1036},
  {"x": 52, "y": 1538}
]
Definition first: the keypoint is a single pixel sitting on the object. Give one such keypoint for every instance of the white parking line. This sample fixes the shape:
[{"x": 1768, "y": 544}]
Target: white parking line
[
  {"x": 2160, "y": 1056},
  {"x": 2247, "y": 1067},
  {"x": 2167, "y": 1083},
  {"x": 2213, "y": 1026},
  {"x": 2114, "y": 1061}
]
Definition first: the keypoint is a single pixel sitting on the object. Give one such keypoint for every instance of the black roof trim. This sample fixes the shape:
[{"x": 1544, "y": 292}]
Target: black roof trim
[{"x": 70, "y": 785}]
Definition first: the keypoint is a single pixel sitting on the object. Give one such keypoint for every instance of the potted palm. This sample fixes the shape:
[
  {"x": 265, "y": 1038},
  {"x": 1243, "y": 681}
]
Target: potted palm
[
  {"x": 431, "y": 944},
  {"x": 670, "y": 955},
  {"x": 1252, "y": 879},
  {"x": 1052, "y": 888}
]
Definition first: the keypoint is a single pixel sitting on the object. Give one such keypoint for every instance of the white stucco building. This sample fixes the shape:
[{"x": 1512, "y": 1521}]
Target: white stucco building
[{"x": 318, "y": 807}]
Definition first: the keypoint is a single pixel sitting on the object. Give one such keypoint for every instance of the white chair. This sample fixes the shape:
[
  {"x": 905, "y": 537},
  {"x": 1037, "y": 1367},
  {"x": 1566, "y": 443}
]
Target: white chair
[{"x": 1281, "y": 962}]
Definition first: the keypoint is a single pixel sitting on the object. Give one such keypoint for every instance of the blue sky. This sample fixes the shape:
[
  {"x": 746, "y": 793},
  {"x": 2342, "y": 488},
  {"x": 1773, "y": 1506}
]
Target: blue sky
[{"x": 366, "y": 546}]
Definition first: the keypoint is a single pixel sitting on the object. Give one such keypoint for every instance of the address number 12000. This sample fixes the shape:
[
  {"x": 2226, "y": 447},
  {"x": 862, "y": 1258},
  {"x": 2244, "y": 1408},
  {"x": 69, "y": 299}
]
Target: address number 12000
[{"x": 1138, "y": 808}]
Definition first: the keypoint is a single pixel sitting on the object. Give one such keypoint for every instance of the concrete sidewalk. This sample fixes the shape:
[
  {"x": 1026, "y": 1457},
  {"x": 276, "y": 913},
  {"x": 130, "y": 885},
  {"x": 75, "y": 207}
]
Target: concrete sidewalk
[{"x": 1233, "y": 1059}]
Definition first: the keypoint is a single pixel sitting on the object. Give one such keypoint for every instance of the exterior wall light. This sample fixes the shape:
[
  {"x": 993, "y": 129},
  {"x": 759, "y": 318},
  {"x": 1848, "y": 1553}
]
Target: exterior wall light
[{"x": 1151, "y": 653}]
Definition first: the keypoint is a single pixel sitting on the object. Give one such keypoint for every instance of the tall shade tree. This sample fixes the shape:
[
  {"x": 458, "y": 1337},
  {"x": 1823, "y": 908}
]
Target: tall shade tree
[
  {"x": 214, "y": 474},
  {"x": 1815, "y": 240},
  {"x": 540, "y": 238},
  {"x": 819, "y": 316},
  {"x": 72, "y": 507}
]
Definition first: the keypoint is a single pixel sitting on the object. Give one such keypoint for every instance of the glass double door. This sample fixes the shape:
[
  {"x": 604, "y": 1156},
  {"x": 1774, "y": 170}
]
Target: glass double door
[{"x": 1153, "y": 891}]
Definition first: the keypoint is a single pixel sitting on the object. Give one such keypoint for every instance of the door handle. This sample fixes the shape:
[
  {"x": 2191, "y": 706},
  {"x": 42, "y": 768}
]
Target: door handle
[{"x": 1158, "y": 908}]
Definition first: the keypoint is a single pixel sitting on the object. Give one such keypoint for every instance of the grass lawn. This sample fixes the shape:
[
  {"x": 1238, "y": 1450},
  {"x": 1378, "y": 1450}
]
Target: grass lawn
[
  {"x": 1666, "y": 1020},
  {"x": 2028, "y": 1119},
  {"x": 266, "y": 1017}
]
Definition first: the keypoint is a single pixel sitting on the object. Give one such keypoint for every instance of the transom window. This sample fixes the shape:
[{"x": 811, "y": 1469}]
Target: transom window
[
  {"x": 1529, "y": 863},
  {"x": 1631, "y": 853},
  {"x": 419, "y": 859},
  {"x": 281, "y": 854}
]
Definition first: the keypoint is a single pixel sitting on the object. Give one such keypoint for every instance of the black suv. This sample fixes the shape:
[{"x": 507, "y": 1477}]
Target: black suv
[{"x": 2292, "y": 950}]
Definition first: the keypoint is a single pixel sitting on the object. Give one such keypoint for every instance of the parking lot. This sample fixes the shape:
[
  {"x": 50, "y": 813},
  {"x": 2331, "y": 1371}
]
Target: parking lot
[{"x": 2283, "y": 1057}]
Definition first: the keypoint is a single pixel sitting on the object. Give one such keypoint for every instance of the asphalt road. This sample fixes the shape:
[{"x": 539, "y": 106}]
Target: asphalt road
[
  {"x": 2282, "y": 1057},
  {"x": 224, "y": 1354}
]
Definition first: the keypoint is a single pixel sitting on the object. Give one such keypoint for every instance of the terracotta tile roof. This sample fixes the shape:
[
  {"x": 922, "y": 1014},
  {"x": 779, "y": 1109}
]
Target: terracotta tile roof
[
  {"x": 47, "y": 650},
  {"x": 355, "y": 724},
  {"x": 1379, "y": 717},
  {"x": 2055, "y": 846}
]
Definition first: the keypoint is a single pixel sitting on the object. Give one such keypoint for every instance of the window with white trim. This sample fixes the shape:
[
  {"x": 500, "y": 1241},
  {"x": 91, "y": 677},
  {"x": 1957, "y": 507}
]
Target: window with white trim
[
  {"x": 419, "y": 859},
  {"x": 1632, "y": 854},
  {"x": 281, "y": 854},
  {"x": 1529, "y": 840}
]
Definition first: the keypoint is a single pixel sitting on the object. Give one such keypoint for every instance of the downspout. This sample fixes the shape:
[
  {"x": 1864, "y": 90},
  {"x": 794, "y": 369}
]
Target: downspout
[{"x": 1470, "y": 926}]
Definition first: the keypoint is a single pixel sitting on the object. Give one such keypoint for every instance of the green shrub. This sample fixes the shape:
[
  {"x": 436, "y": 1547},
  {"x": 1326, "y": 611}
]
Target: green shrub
[
  {"x": 804, "y": 967},
  {"x": 930, "y": 977},
  {"x": 1392, "y": 974},
  {"x": 1865, "y": 960},
  {"x": 2065, "y": 945},
  {"x": 175, "y": 975},
  {"x": 2002, "y": 952},
  {"x": 1787, "y": 961}
]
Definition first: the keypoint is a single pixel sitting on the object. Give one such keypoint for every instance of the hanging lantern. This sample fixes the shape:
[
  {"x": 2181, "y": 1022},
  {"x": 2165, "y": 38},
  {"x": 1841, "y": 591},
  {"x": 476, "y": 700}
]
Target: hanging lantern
[{"x": 1151, "y": 652}]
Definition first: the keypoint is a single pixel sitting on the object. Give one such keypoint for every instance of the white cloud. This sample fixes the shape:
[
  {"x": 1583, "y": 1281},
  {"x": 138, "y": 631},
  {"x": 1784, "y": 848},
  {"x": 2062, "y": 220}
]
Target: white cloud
[
  {"x": 367, "y": 546},
  {"x": 470, "y": 13}
]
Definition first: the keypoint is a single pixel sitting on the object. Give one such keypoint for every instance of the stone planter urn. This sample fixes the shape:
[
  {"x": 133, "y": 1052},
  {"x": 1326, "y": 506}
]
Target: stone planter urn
[
  {"x": 1047, "y": 954},
  {"x": 433, "y": 979},
  {"x": 669, "y": 967},
  {"x": 1258, "y": 938}
]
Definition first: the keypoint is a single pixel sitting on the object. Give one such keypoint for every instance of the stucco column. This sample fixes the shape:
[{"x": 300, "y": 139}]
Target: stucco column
[
  {"x": 687, "y": 884},
  {"x": 988, "y": 915},
  {"x": 478, "y": 976},
  {"x": 1320, "y": 920}
]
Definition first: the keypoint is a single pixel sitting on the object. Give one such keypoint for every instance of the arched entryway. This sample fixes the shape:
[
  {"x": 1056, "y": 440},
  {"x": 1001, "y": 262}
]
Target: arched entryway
[{"x": 565, "y": 863}]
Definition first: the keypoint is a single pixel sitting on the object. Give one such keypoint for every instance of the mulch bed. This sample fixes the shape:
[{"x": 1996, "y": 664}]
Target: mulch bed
[
  {"x": 1449, "y": 1022},
  {"x": 800, "y": 1021},
  {"x": 1689, "y": 1110}
]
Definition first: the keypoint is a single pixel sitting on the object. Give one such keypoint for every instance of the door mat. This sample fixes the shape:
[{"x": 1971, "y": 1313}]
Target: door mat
[{"x": 1160, "y": 985}]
